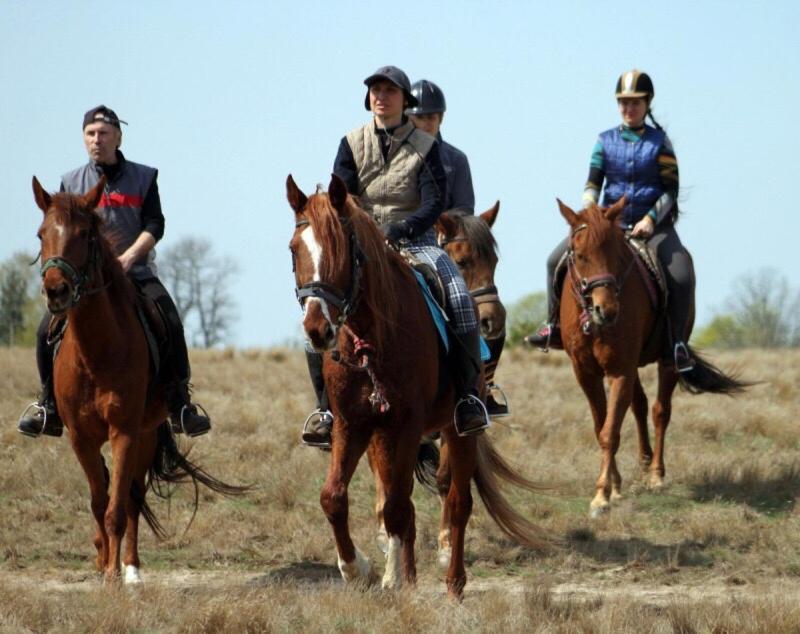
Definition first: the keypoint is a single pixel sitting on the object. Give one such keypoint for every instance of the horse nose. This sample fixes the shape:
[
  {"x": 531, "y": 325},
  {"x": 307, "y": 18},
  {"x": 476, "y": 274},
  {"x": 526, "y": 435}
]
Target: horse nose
[
  {"x": 57, "y": 293},
  {"x": 486, "y": 326}
]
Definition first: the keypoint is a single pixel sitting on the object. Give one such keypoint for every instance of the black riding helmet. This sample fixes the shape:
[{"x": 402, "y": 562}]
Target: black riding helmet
[
  {"x": 430, "y": 98},
  {"x": 635, "y": 83},
  {"x": 395, "y": 76}
]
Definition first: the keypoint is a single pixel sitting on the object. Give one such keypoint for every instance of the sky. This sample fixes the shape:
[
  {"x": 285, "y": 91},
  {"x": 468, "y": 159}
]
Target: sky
[{"x": 226, "y": 99}]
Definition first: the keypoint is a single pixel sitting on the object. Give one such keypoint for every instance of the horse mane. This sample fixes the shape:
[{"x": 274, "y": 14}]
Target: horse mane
[
  {"x": 478, "y": 234},
  {"x": 378, "y": 285},
  {"x": 68, "y": 207}
]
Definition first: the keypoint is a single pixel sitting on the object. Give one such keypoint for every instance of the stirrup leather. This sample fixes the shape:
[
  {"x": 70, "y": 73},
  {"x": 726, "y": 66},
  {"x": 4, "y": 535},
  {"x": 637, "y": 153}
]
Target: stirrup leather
[{"x": 471, "y": 398}]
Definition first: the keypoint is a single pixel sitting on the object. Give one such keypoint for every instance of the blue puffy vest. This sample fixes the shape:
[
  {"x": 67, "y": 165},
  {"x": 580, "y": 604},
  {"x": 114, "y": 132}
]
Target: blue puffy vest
[{"x": 632, "y": 171}]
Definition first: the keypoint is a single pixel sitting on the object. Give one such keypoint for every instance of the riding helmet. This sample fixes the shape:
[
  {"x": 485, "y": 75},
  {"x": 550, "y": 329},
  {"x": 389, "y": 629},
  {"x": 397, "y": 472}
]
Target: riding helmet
[
  {"x": 395, "y": 76},
  {"x": 634, "y": 83},
  {"x": 430, "y": 98}
]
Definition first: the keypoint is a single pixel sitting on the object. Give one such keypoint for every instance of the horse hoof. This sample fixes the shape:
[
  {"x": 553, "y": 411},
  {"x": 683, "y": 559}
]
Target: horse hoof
[
  {"x": 656, "y": 483},
  {"x": 132, "y": 576},
  {"x": 445, "y": 554},
  {"x": 596, "y": 512},
  {"x": 616, "y": 496},
  {"x": 359, "y": 570}
]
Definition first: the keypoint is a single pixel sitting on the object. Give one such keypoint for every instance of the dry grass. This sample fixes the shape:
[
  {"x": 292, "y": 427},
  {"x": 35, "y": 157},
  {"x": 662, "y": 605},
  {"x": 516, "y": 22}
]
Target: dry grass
[{"x": 716, "y": 551}]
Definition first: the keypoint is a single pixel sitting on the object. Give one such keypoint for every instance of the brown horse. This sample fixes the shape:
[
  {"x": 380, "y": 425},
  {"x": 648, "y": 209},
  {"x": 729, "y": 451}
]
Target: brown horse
[
  {"x": 610, "y": 328},
  {"x": 469, "y": 242},
  {"x": 387, "y": 387},
  {"x": 101, "y": 377}
]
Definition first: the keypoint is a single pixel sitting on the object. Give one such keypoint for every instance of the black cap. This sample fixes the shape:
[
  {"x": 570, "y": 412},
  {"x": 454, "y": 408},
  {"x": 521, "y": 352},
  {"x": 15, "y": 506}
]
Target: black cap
[
  {"x": 102, "y": 114},
  {"x": 430, "y": 98},
  {"x": 397, "y": 77}
]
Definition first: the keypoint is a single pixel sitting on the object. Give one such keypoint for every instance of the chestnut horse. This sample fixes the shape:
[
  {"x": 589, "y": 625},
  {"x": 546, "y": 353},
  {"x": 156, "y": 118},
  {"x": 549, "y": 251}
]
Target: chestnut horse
[
  {"x": 363, "y": 308},
  {"x": 469, "y": 242},
  {"x": 101, "y": 377},
  {"x": 610, "y": 328}
]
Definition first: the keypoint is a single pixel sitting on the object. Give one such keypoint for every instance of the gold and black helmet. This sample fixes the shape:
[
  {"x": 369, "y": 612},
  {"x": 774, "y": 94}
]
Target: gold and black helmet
[{"x": 634, "y": 83}]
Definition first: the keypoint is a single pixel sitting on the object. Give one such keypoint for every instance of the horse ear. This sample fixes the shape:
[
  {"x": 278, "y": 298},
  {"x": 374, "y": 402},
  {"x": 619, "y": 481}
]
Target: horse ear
[
  {"x": 570, "y": 216},
  {"x": 42, "y": 198},
  {"x": 297, "y": 199},
  {"x": 337, "y": 193},
  {"x": 92, "y": 198},
  {"x": 613, "y": 212},
  {"x": 490, "y": 215},
  {"x": 446, "y": 225}
]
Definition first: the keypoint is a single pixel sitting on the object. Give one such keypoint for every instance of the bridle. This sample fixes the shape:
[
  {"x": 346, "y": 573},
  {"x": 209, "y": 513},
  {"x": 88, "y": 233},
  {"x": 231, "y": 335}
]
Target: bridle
[
  {"x": 345, "y": 301},
  {"x": 79, "y": 278},
  {"x": 582, "y": 287},
  {"x": 484, "y": 294}
]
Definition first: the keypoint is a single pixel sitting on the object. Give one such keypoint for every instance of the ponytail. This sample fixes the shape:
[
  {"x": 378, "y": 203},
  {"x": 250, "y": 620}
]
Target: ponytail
[{"x": 653, "y": 119}]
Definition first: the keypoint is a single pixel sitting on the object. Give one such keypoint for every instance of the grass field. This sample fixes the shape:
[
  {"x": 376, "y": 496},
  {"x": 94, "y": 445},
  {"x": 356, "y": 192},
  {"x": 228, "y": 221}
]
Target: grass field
[{"x": 717, "y": 550}]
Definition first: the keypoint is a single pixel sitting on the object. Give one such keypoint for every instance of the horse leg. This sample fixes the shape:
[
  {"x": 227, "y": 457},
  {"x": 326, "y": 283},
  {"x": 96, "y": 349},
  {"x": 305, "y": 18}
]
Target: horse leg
[
  {"x": 443, "y": 480},
  {"x": 463, "y": 462},
  {"x": 620, "y": 395},
  {"x": 353, "y": 564},
  {"x": 662, "y": 411},
  {"x": 396, "y": 474},
  {"x": 123, "y": 452},
  {"x": 639, "y": 407},
  {"x": 147, "y": 448},
  {"x": 380, "y": 500},
  {"x": 94, "y": 467}
]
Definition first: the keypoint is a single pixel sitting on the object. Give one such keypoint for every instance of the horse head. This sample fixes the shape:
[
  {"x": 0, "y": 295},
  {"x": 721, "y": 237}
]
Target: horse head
[
  {"x": 469, "y": 242},
  {"x": 326, "y": 259},
  {"x": 597, "y": 259},
  {"x": 69, "y": 236}
]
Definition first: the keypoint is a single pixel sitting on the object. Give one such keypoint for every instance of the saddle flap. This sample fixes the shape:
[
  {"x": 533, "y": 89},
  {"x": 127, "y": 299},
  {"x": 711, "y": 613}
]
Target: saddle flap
[
  {"x": 653, "y": 274},
  {"x": 430, "y": 276}
]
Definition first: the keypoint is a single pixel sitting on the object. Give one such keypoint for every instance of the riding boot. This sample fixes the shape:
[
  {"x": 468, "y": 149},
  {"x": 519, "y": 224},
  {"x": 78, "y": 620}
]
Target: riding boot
[
  {"x": 495, "y": 408},
  {"x": 185, "y": 417},
  {"x": 470, "y": 416},
  {"x": 318, "y": 424},
  {"x": 549, "y": 333},
  {"x": 44, "y": 419}
]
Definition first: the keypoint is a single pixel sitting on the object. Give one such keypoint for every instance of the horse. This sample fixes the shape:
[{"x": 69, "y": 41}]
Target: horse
[
  {"x": 101, "y": 380},
  {"x": 363, "y": 308},
  {"x": 610, "y": 327},
  {"x": 469, "y": 242}
]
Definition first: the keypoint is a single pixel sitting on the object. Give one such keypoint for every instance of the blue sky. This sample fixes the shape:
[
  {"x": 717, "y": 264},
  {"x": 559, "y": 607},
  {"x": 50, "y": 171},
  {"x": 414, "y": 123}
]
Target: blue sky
[{"x": 228, "y": 98}]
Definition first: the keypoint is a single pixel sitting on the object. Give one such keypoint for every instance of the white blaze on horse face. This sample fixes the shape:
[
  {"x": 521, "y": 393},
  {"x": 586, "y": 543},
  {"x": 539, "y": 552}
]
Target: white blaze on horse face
[
  {"x": 315, "y": 250},
  {"x": 392, "y": 577}
]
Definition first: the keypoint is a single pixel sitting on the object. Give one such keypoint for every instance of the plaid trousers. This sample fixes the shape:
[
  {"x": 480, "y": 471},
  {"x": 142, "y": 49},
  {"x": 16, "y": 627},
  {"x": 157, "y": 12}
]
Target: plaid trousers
[{"x": 460, "y": 305}]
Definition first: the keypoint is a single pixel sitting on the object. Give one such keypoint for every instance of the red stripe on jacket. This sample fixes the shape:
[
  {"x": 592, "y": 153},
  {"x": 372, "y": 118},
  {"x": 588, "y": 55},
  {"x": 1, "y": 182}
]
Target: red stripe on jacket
[{"x": 116, "y": 199}]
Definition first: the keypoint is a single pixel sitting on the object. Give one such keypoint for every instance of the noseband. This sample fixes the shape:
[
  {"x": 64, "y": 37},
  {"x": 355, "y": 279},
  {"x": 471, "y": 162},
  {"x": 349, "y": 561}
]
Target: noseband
[
  {"x": 79, "y": 279},
  {"x": 345, "y": 301},
  {"x": 483, "y": 294}
]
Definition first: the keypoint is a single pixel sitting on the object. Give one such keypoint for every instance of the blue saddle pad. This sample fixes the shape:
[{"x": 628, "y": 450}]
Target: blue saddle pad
[{"x": 440, "y": 319}]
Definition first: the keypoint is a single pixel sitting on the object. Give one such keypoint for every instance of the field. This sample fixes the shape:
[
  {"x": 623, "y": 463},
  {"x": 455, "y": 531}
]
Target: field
[{"x": 717, "y": 550}]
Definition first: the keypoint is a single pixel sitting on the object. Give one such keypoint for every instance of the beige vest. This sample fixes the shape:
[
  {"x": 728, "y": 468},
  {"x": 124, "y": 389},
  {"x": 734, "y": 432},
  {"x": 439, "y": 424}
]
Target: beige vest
[{"x": 389, "y": 189}]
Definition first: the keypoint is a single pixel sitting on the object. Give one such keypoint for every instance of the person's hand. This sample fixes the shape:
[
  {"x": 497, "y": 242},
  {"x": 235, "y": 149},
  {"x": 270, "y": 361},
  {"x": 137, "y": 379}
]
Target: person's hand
[
  {"x": 643, "y": 228},
  {"x": 396, "y": 231},
  {"x": 127, "y": 261}
]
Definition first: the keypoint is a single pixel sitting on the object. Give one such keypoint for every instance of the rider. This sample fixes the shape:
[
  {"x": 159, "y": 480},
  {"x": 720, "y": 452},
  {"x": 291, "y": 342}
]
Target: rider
[
  {"x": 427, "y": 115},
  {"x": 637, "y": 161},
  {"x": 131, "y": 210},
  {"x": 396, "y": 171}
]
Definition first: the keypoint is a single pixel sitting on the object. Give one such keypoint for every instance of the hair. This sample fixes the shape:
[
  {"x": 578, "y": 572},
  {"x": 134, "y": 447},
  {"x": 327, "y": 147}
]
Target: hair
[
  {"x": 478, "y": 234},
  {"x": 378, "y": 285}
]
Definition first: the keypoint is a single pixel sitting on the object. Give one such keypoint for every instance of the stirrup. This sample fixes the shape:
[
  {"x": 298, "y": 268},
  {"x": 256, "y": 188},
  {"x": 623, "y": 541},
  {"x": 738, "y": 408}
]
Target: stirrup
[
  {"x": 35, "y": 406},
  {"x": 185, "y": 409},
  {"x": 491, "y": 389},
  {"x": 681, "y": 349},
  {"x": 471, "y": 398},
  {"x": 316, "y": 415}
]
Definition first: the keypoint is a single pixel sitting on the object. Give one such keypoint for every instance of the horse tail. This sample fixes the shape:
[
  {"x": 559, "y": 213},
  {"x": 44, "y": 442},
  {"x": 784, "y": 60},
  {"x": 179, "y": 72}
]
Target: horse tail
[
  {"x": 490, "y": 466},
  {"x": 706, "y": 377},
  {"x": 427, "y": 465},
  {"x": 170, "y": 466}
]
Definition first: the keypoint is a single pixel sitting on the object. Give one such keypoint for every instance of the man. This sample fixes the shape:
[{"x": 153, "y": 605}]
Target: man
[
  {"x": 131, "y": 209},
  {"x": 428, "y": 115}
]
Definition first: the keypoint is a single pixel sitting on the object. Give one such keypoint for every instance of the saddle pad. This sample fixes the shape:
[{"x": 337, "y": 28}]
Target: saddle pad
[{"x": 440, "y": 318}]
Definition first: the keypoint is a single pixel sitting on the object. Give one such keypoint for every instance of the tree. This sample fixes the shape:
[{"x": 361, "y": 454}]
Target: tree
[
  {"x": 524, "y": 316},
  {"x": 19, "y": 308},
  {"x": 761, "y": 311},
  {"x": 199, "y": 283}
]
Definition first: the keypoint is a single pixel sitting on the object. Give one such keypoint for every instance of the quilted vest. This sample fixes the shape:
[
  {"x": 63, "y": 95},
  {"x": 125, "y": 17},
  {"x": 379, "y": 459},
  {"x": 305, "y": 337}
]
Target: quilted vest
[
  {"x": 389, "y": 189},
  {"x": 632, "y": 171},
  {"x": 120, "y": 206}
]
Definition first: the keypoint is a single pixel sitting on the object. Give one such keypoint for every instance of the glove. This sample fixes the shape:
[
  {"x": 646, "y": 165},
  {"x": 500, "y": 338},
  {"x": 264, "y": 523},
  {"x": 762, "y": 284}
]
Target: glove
[{"x": 396, "y": 231}]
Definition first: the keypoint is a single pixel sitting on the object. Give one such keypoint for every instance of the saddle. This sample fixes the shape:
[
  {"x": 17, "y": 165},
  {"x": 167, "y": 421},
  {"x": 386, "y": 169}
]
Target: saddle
[
  {"x": 156, "y": 333},
  {"x": 429, "y": 274}
]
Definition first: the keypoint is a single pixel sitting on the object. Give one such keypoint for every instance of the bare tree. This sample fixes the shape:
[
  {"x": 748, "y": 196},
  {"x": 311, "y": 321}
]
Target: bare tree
[{"x": 199, "y": 283}]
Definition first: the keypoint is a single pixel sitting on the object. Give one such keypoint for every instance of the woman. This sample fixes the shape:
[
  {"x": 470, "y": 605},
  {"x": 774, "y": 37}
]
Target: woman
[
  {"x": 637, "y": 161},
  {"x": 396, "y": 171}
]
